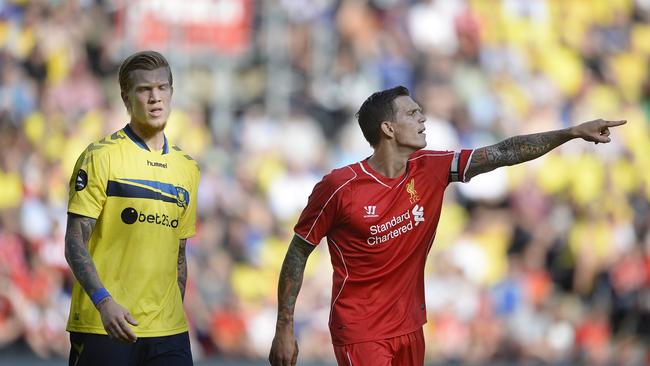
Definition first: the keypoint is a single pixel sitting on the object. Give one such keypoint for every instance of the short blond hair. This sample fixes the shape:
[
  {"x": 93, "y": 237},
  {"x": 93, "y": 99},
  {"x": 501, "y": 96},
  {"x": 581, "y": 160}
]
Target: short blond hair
[{"x": 144, "y": 60}]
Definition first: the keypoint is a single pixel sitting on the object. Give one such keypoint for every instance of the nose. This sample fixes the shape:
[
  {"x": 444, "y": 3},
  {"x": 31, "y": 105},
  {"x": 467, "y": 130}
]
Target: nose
[{"x": 154, "y": 96}]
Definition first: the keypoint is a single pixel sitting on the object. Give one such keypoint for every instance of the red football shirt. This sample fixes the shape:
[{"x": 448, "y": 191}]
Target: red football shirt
[{"x": 379, "y": 232}]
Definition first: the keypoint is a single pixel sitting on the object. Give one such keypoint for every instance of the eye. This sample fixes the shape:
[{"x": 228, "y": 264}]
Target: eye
[{"x": 142, "y": 89}]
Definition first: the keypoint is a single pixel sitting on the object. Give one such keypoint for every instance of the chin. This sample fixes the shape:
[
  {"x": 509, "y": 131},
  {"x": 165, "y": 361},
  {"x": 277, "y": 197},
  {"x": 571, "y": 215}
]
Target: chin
[
  {"x": 152, "y": 124},
  {"x": 158, "y": 123},
  {"x": 416, "y": 147}
]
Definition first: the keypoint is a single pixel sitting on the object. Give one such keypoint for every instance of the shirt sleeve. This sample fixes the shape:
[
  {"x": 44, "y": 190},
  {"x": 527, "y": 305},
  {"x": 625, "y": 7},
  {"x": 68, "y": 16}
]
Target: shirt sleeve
[
  {"x": 188, "y": 219},
  {"x": 322, "y": 210},
  {"x": 88, "y": 184},
  {"x": 459, "y": 164}
]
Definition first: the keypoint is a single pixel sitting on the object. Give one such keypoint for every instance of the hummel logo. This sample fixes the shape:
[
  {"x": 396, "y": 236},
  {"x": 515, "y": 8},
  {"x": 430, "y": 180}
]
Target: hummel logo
[
  {"x": 371, "y": 211},
  {"x": 78, "y": 347},
  {"x": 157, "y": 164}
]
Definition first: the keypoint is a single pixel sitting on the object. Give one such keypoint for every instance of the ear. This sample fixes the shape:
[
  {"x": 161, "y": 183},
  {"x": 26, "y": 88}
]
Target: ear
[
  {"x": 387, "y": 129},
  {"x": 125, "y": 100}
]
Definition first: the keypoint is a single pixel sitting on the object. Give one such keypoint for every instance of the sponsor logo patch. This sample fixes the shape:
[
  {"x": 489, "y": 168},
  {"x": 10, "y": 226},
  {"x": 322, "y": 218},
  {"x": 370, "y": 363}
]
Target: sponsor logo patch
[
  {"x": 131, "y": 216},
  {"x": 81, "y": 181},
  {"x": 396, "y": 226}
]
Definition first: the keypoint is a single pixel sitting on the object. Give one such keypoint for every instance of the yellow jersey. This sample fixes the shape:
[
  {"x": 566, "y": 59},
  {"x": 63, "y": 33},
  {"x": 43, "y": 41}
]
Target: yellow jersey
[{"x": 144, "y": 203}]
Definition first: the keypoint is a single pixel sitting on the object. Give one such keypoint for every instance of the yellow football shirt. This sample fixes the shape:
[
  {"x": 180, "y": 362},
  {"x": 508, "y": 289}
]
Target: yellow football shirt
[{"x": 144, "y": 203}]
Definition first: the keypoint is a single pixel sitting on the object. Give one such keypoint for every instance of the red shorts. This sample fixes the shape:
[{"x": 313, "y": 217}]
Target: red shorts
[{"x": 404, "y": 350}]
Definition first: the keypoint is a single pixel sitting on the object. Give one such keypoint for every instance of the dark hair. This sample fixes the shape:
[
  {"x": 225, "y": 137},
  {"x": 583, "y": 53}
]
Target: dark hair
[
  {"x": 145, "y": 60},
  {"x": 376, "y": 109}
]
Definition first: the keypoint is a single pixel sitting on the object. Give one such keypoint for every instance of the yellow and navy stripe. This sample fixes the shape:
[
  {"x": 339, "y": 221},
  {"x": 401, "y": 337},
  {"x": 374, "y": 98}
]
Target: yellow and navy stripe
[{"x": 148, "y": 189}]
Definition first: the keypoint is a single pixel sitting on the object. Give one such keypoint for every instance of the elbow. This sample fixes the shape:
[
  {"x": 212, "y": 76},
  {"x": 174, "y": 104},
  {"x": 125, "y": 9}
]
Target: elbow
[
  {"x": 67, "y": 254},
  {"x": 68, "y": 251}
]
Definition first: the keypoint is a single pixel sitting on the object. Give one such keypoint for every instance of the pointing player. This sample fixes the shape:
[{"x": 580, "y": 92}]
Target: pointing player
[
  {"x": 132, "y": 206},
  {"x": 380, "y": 216}
]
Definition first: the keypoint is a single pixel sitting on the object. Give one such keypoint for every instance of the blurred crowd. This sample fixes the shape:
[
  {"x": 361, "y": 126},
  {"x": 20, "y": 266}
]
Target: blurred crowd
[{"x": 546, "y": 262}]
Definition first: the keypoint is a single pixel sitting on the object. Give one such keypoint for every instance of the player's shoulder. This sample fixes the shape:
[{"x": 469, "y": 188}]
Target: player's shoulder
[
  {"x": 430, "y": 154},
  {"x": 104, "y": 146},
  {"x": 340, "y": 175},
  {"x": 335, "y": 182},
  {"x": 184, "y": 157}
]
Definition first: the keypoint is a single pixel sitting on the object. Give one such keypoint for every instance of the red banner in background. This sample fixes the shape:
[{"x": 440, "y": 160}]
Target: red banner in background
[{"x": 222, "y": 26}]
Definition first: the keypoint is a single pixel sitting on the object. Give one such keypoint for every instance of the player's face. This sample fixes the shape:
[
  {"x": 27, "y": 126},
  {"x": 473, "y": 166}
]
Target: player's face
[
  {"x": 409, "y": 123},
  {"x": 149, "y": 99}
]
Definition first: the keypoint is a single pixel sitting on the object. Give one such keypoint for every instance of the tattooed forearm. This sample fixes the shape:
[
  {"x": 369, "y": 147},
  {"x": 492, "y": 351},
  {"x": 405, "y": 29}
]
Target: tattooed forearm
[
  {"x": 77, "y": 235},
  {"x": 515, "y": 150},
  {"x": 291, "y": 275},
  {"x": 182, "y": 267}
]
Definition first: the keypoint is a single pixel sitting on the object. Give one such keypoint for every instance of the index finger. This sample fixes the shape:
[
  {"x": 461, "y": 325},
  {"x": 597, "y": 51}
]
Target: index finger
[
  {"x": 126, "y": 329},
  {"x": 615, "y": 123},
  {"x": 116, "y": 332}
]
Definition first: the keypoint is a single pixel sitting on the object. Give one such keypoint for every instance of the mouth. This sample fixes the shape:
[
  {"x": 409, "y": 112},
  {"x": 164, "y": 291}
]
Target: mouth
[
  {"x": 421, "y": 132},
  {"x": 156, "y": 112}
]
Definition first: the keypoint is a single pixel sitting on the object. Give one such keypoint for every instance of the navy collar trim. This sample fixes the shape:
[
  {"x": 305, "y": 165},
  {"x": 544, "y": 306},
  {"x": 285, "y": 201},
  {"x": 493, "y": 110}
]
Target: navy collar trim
[{"x": 138, "y": 141}]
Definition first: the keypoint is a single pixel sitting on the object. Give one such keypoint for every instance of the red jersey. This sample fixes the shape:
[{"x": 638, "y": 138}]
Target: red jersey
[{"x": 379, "y": 231}]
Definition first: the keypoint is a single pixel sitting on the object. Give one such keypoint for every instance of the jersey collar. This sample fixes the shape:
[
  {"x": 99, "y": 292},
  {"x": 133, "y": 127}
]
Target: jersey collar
[
  {"x": 138, "y": 141},
  {"x": 381, "y": 179}
]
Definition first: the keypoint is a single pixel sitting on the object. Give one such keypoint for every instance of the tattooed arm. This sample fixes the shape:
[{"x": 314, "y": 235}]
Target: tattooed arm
[
  {"x": 114, "y": 316},
  {"x": 519, "y": 149},
  {"x": 284, "y": 350},
  {"x": 77, "y": 235},
  {"x": 182, "y": 267}
]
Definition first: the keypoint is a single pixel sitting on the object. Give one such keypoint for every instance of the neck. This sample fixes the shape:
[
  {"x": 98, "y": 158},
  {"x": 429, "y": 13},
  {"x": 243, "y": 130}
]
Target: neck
[
  {"x": 389, "y": 160},
  {"x": 154, "y": 139}
]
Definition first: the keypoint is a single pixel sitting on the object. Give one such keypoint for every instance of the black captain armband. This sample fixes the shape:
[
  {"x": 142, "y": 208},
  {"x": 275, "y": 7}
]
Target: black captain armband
[{"x": 454, "y": 175}]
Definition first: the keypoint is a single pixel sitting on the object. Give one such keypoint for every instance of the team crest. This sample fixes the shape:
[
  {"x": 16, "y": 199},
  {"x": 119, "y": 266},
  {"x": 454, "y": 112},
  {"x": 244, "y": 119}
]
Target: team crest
[
  {"x": 410, "y": 189},
  {"x": 182, "y": 197}
]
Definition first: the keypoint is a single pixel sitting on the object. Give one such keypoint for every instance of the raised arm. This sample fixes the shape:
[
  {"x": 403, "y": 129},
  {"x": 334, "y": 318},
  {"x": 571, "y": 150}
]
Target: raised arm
[
  {"x": 182, "y": 267},
  {"x": 519, "y": 149},
  {"x": 114, "y": 316},
  {"x": 284, "y": 350}
]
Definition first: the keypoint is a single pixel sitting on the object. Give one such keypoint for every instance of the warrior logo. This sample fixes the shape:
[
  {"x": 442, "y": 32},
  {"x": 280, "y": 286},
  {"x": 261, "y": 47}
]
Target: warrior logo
[{"x": 371, "y": 211}]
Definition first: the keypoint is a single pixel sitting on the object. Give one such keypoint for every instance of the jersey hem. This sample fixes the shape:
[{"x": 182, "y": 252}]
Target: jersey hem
[
  {"x": 301, "y": 237},
  {"x": 187, "y": 236},
  {"x": 374, "y": 339},
  {"x": 81, "y": 213},
  {"x": 143, "y": 334}
]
